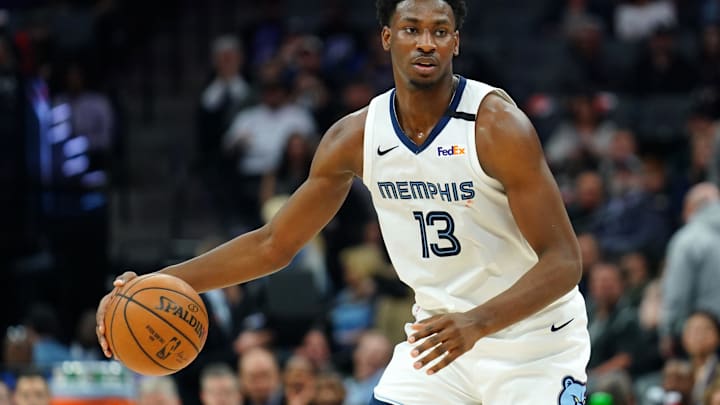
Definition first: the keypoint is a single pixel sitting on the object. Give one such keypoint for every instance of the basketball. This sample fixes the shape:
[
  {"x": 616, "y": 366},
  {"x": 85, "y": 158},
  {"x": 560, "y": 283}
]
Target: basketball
[{"x": 156, "y": 324}]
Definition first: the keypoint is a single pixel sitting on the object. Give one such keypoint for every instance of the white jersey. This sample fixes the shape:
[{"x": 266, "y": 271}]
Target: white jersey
[{"x": 447, "y": 225}]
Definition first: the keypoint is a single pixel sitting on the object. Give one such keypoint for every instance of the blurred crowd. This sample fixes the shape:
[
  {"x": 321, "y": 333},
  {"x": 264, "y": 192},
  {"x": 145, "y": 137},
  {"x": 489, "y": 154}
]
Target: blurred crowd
[{"x": 626, "y": 99}]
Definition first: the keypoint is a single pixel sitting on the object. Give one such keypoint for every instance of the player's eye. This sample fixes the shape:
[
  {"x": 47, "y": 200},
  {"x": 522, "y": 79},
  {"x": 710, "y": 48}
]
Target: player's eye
[
  {"x": 410, "y": 30},
  {"x": 441, "y": 33}
]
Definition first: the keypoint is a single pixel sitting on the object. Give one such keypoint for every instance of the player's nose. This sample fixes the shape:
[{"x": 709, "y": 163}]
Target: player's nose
[{"x": 426, "y": 42}]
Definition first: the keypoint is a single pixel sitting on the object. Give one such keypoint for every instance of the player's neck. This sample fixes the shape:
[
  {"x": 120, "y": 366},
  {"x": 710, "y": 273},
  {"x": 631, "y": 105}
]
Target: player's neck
[{"x": 419, "y": 110}]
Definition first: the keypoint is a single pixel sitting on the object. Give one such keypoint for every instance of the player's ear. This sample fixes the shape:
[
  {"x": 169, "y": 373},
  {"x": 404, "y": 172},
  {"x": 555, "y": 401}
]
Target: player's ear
[
  {"x": 456, "y": 38},
  {"x": 386, "y": 35}
]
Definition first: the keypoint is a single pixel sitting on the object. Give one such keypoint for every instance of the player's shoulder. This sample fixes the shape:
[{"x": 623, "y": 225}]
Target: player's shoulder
[
  {"x": 343, "y": 141},
  {"x": 499, "y": 120},
  {"x": 502, "y": 130},
  {"x": 350, "y": 126}
]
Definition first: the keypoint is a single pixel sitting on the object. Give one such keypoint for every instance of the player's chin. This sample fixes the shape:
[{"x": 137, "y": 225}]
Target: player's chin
[{"x": 424, "y": 82}]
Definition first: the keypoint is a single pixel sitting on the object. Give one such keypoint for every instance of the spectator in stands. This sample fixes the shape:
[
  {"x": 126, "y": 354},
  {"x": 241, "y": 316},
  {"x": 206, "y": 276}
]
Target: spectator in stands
[
  {"x": 257, "y": 137},
  {"x": 316, "y": 348},
  {"x": 219, "y": 385},
  {"x": 158, "y": 391},
  {"x": 330, "y": 390},
  {"x": 31, "y": 388},
  {"x": 661, "y": 68},
  {"x": 370, "y": 357},
  {"x": 636, "y": 273},
  {"x": 292, "y": 171},
  {"x": 92, "y": 113},
  {"x": 299, "y": 381},
  {"x": 226, "y": 94},
  {"x": 633, "y": 218},
  {"x": 353, "y": 311},
  {"x": 589, "y": 64},
  {"x": 636, "y": 20},
  {"x": 665, "y": 189},
  {"x": 611, "y": 322},
  {"x": 647, "y": 359},
  {"x": 302, "y": 56},
  {"x": 701, "y": 341},
  {"x": 313, "y": 93},
  {"x": 618, "y": 385},
  {"x": 658, "y": 198},
  {"x": 591, "y": 255},
  {"x": 703, "y": 131},
  {"x": 690, "y": 280},
  {"x": 44, "y": 333},
  {"x": 677, "y": 382},
  {"x": 260, "y": 378},
  {"x": 579, "y": 142},
  {"x": 587, "y": 202},
  {"x": 621, "y": 155}
]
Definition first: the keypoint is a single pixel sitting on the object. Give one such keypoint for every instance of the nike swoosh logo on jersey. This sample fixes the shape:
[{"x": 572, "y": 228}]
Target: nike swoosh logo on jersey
[
  {"x": 382, "y": 152},
  {"x": 554, "y": 328}
]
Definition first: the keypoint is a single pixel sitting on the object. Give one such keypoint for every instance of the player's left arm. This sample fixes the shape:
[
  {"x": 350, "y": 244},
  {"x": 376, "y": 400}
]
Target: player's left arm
[{"x": 509, "y": 151}]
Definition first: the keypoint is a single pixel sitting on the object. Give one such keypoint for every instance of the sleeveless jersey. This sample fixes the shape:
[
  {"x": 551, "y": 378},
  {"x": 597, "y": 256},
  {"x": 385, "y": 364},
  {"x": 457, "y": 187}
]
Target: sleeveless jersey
[{"x": 447, "y": 225}]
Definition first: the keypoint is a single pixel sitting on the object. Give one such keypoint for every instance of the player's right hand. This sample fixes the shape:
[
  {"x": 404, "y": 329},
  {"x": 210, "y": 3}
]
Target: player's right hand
[{"x": 102, "y": 307}]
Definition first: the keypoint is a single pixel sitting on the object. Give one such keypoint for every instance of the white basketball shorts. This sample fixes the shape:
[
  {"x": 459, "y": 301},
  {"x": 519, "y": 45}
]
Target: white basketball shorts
[{"x": 539, "y": 361}]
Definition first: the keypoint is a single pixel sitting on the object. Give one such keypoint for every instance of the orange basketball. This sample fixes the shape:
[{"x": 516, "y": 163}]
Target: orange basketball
[{"x": 156, "y": 324}]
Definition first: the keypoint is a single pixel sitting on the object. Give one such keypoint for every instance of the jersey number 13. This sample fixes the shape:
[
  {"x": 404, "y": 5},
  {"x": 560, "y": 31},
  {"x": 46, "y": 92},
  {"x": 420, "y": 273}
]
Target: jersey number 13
[{"x": 445, "y": 228}]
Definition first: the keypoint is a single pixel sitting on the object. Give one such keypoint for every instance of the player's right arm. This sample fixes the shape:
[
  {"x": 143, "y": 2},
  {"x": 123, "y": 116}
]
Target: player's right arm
[
  {"x": 271, "y": 247},
  {"x": 308, "y": 210}
]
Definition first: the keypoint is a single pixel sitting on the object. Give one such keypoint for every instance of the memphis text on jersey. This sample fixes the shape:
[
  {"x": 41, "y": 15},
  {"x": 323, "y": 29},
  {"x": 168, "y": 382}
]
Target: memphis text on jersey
[{"x": 421, "y": 190}]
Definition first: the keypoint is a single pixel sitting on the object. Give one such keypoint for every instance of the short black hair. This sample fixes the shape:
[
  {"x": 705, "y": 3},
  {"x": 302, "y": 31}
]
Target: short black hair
[
  {"x": 216, "y": 370},
  {"x": 386, "y": 8}
]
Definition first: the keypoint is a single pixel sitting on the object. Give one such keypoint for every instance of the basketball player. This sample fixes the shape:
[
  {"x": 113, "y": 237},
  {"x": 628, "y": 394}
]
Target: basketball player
[{"x": 472, "y": 219}]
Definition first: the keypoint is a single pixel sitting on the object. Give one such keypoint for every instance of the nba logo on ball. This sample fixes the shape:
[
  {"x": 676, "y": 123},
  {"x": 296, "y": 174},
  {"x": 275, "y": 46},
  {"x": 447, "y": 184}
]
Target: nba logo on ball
[{"x": 156, "y": 324}]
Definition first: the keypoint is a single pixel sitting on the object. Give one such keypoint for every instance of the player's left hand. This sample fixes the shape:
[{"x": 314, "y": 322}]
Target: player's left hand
[{"x": 447, "y": 337}]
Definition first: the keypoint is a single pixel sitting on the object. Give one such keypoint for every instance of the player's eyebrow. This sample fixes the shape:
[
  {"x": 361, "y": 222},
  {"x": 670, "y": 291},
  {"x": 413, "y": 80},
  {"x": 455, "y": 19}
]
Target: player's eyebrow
[{"x": 437, "y": 21}]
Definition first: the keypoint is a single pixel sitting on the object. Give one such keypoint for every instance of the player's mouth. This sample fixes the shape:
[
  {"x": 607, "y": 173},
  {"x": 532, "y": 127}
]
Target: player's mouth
[
  {"x": 424, "y": 65},
  {"x": 424, "y": 68}
]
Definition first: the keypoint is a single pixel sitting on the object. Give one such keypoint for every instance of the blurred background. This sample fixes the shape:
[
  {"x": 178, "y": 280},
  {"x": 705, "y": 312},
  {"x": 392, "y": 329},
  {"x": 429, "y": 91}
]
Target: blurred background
[{"x": 137, "y": 134}]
